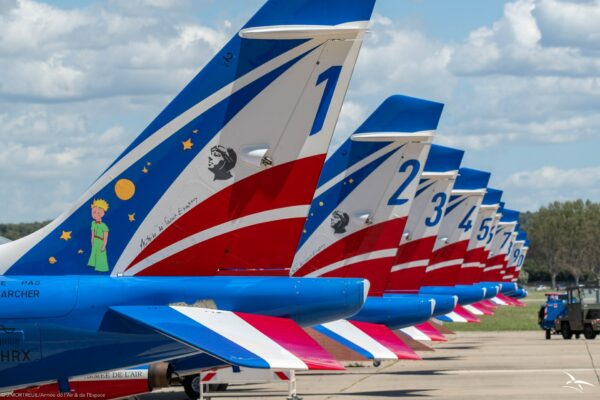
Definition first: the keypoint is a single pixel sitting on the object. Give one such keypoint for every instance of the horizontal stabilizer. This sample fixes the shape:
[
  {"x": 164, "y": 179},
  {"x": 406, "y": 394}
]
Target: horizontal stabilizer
[
  {"x": 388, "y": 338},
  {"x": 245, "y": 340},
  {"x": 375, "y": 342},
  {"x": 484, "y": 310},
  {"x": 473, "y": 310},
  {"x": 431, "y": 331},
  {"x": 452, "y": 317},
  {"x": 470, "y": 318},
  {"x": 416, "y": 334}
]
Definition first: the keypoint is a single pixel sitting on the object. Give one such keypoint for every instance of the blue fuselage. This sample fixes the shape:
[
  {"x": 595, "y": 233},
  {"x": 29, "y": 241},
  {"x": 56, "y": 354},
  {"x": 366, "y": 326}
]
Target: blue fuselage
[
  {"x": 466, "y": 294},
  {"x": 396, "y": 311},
  {"x": 53, "y": 328}
]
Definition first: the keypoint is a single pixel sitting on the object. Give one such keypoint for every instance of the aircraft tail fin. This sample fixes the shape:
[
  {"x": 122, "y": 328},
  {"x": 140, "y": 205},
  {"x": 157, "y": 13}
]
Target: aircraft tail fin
[
  {"x": 226, "y": 172},
  {"x": 364, "y": 194},
  {"x": 424, "y": 220}
]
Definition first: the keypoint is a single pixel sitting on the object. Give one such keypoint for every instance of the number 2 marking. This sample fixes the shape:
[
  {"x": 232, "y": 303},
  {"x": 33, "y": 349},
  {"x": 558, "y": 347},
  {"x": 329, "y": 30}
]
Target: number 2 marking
[{"x": 414, "y": 166}]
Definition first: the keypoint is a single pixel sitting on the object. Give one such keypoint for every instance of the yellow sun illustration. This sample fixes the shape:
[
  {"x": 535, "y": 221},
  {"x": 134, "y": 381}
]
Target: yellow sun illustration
[
  {"x": 52, "y": 260},
  {"x": 124, "y": 189}
]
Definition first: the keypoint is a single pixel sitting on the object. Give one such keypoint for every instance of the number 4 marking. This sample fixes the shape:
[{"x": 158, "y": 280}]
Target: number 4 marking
[{"x": 466, "y": 224}]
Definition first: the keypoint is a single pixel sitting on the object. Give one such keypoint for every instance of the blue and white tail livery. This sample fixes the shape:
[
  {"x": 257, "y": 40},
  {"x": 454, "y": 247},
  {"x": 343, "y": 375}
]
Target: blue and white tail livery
[
  {"x": 456, "y": 227},
  {"x": 237, "y": 152},
  {"x": 365, "y": 192}
]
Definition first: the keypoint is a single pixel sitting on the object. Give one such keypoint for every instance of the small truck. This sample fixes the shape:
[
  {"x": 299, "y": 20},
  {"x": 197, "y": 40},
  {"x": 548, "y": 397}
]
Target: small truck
[{"x": 582, "y": 313}]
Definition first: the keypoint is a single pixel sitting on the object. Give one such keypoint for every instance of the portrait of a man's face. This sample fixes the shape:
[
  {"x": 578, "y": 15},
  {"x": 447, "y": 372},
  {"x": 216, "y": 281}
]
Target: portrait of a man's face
[
  {"x": 221, "y": 161},
  {"x": 339, "y": 221}
]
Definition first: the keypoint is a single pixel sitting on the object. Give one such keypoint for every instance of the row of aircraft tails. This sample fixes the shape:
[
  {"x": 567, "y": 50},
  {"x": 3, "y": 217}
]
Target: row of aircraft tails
[{"x": 225, "y": 236}]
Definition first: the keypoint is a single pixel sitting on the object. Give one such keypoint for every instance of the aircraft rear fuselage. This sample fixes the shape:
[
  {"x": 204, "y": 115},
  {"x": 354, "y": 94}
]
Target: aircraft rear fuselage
[{"x": 69, "y": 329}]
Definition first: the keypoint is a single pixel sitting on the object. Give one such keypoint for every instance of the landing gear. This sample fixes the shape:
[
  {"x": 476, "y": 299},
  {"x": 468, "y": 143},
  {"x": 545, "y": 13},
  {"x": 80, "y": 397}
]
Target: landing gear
[
  {"x": 548, "y": 334},
  {"x": 191, "y": 385},
  {"x": 376, "y": 363},
  {"x": 292, "y": 388}
]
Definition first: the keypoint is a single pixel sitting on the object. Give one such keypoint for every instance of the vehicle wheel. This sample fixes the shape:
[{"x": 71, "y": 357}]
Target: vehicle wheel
[
  {"x": 191, "y": 385},
  {"x": 577, "y": 335},
  {"x": 376, "y": 363},
  {"x": 565, "y": 329},
  {"x": 588, "y": 332},
  {"x": 548, "y": 334}
]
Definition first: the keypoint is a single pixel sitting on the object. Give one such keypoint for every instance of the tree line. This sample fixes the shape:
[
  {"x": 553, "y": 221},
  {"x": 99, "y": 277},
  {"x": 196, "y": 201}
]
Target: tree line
[
  {"x": 17, "y": 231},
  {"x": 564, "y": 242}
]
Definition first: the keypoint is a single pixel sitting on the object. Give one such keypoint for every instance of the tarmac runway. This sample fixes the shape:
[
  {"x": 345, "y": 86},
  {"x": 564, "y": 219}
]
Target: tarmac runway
[{"x": 471, "y": 365}]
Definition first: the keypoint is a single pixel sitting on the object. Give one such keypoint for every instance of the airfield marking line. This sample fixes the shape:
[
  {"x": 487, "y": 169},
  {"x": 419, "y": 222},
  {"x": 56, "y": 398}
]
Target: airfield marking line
[
  {"x": 516, "y": 371},
  {"x": 364, "y": 378}
]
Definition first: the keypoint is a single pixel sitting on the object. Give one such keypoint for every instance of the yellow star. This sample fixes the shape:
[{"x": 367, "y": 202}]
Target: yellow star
[
  {"x": 66, "y": 235},
  {"x": 350, "y": 180},
  {"x": 131, "y": 217},
  {"x": 80, "y": 251},
  {"x": 52, "y": 260},
  {"x": 187, "y": 145},
  {"x": 148, "y": 163},
  {"x": 195, "y": 131},
  {"x": 145, "y": 170},
  {"x": 321, "y": 204}
]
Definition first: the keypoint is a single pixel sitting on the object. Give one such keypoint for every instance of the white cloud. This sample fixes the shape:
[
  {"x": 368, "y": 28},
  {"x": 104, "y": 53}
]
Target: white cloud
[
  {"x": 550, "y": 177},
  {"x": 395, "y": 59},
  {"x": 51, "y": 54},
  {"x": 569, "y": 24},
  {"x": 515, "y": 45}
]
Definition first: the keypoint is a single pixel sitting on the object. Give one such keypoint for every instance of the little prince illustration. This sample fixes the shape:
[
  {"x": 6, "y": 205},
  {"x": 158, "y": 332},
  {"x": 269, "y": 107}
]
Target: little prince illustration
[{"x": 98, "y": 259}]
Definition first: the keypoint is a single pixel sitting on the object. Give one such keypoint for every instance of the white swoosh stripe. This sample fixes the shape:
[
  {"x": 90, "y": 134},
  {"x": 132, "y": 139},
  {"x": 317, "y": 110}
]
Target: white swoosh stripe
[
  {"x": 229, "y": 226},
  {"x": 353, "y": 260},
  {"x": 444, "y": 264},
  {"x": 472, "y": 265},
  {"x": 508, "y": 277},
  {"x": 492, "y": 268},
  {"x": 347, "y": 172},
  {"x": 409, "y": 265}
]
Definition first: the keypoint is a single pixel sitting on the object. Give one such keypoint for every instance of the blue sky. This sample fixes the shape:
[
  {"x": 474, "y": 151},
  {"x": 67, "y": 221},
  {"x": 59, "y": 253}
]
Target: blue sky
[{"x": 520, "y": 80}]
